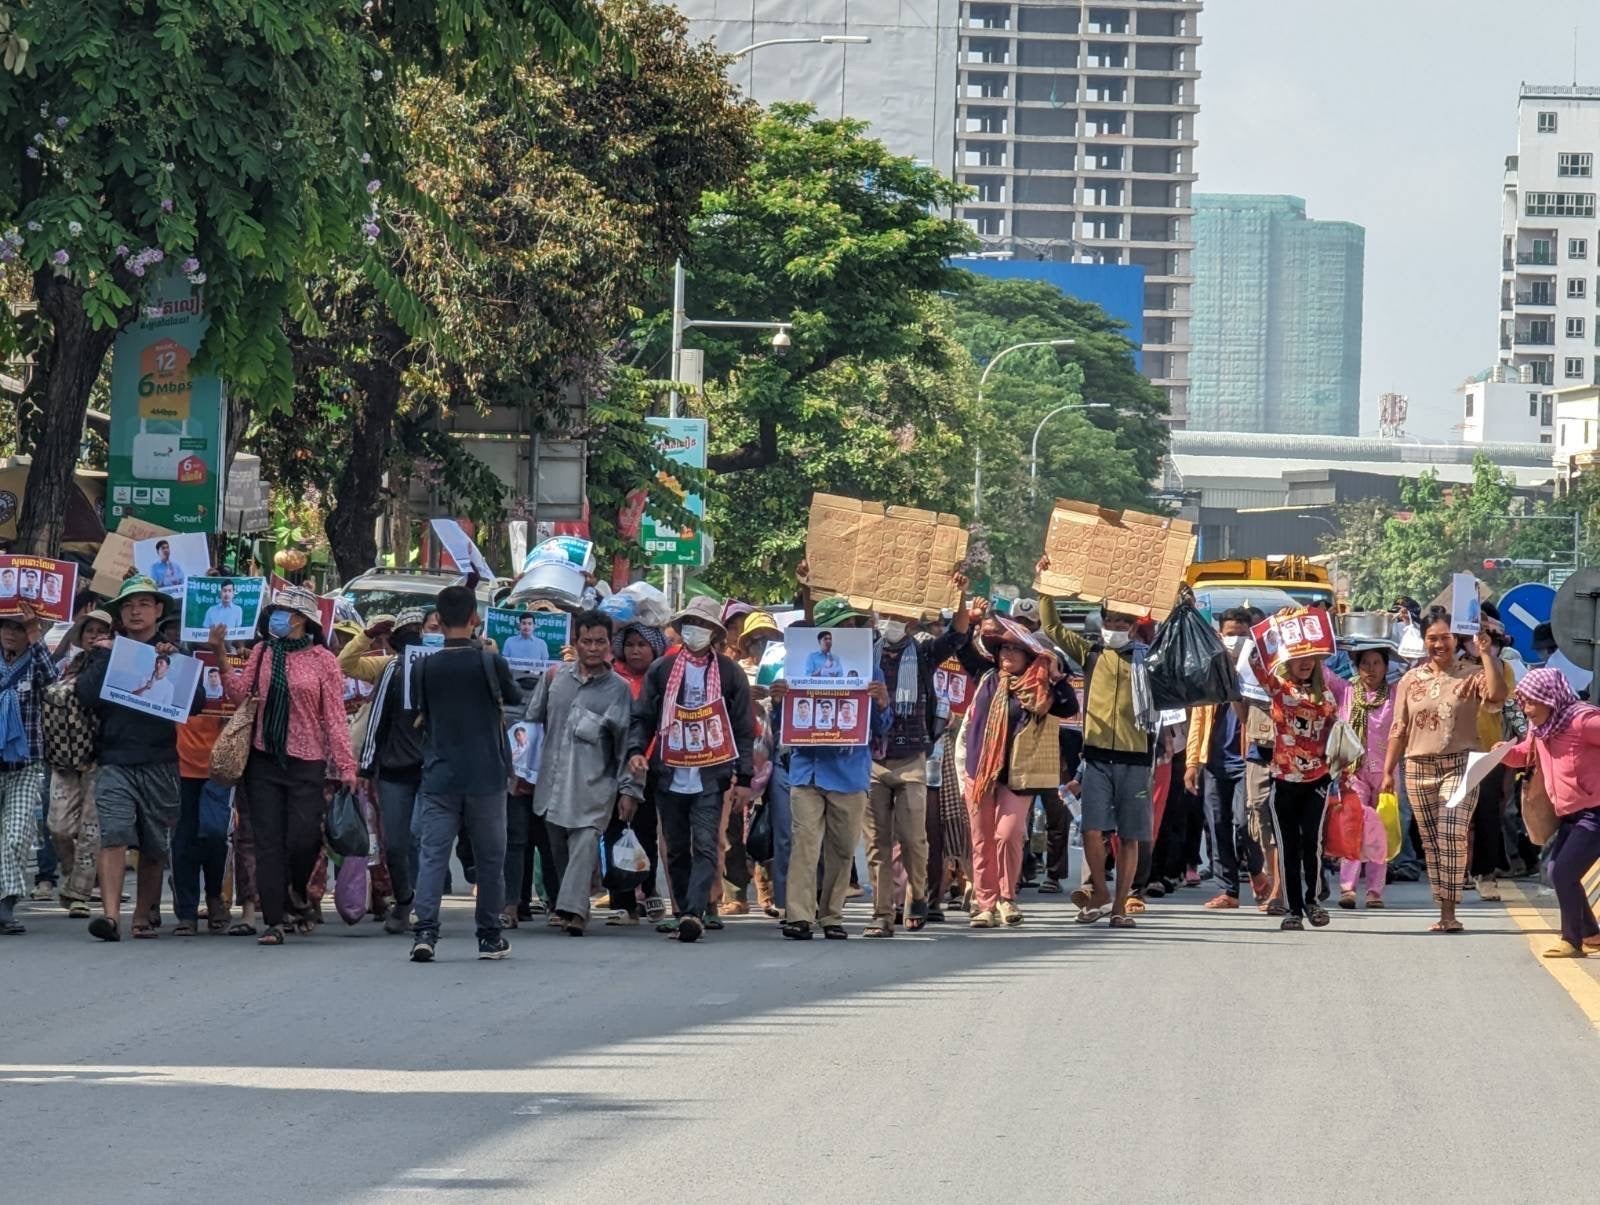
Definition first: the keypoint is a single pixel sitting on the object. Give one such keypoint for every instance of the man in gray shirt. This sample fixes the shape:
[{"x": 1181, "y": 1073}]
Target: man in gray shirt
[{"x": 585, "y": 708}]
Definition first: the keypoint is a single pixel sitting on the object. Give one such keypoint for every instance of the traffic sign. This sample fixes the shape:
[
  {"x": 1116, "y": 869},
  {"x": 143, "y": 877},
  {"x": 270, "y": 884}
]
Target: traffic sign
[
  {"x": 1575, "y": 619},
  {"x": 1558, "y": 577},
  {"x": 1523, "y": 608}
]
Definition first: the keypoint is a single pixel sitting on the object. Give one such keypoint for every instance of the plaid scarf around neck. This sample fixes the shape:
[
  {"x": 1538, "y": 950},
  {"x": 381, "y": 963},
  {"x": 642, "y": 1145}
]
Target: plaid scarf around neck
[
  {"x": 669, "y": 699},
  {"x": 1032, "y": 688},
  {"x": 1364, "y": 704},
  {"x": 275, "y": 709}
]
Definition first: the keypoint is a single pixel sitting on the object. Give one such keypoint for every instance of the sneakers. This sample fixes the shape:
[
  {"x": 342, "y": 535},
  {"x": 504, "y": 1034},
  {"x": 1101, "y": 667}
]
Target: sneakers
[
  {"x": 489, "y": 947},
  {"x": 398, "y": 920},
  {"x": 422, "y": 947}
]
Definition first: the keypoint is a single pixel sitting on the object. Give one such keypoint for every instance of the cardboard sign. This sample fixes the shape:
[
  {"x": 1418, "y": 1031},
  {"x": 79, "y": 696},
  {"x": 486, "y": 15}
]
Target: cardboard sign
[
  {"x": 1127, "y": 561},
  {"x": 460, "y": 547},
  {"x": 46, "y": 585},
  {"x": 234, "y": 602},
  {"x": 1466, "y": 610},
  {"x": 115, "y": 558},
  {"x": 158, "y": 684},
  {"x": 170, "y": 561},
  {"x": 529, "y": 640},
  {"x": 896, "y": 560},
  {"x": 1306, "y": 633}
]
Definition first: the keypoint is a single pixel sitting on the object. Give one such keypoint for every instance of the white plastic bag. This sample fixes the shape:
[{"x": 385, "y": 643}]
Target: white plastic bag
[{"x": 628, "y": 855}]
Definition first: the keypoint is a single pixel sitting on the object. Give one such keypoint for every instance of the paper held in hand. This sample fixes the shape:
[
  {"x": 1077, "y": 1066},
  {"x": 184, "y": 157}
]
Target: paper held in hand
[
  {"x": 1127, "y": 561},
  {"x": 1479, "y": 767},
  {"x": 1466, "y": 610},
  {"x": 896, "y": 560}
]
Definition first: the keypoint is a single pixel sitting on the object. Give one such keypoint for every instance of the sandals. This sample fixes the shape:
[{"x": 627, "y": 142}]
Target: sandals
[
  {"x": 11, "y": 928},
  {"x": 143, "y": 931},
  {"x": 1277, "y": 908},
  {"x": 1347, "y": 900},
  {"x": 667, "y": 924},
  {"x": 622, "y": 920},
  {"x": 1317, "y": 915},
  {"x": 877, "y": 931},
  {"x": 1565, "y": 949},
  {"x": 917, "y": 923},
  {"x": 796, "y": 930},
  {"x": 79, "y": 910},
  {"x": 184, "y": 929},
  {"x": 1049, "y": 887},
  {"x": 1135, "y": 905},
  {"x": 104, "y": 928},
  {"x": 1088, "y": 916},
  {"x": 834, "y": 932},
  {"x": 241, "y": 928},
  {"x": 1374, "y": 900},
  {"x": 272, "y": 937},
  {"x": 1123, "y": 922}
]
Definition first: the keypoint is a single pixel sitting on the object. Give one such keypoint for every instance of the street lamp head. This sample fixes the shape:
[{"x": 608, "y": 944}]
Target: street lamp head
[
  {"x": 843, "y": 39},
  {"x": 780, "y": 343}
]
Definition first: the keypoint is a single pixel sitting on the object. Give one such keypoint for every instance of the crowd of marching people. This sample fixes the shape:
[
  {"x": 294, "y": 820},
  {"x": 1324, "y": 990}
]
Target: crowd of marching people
[{"x": 990, "y": 739}]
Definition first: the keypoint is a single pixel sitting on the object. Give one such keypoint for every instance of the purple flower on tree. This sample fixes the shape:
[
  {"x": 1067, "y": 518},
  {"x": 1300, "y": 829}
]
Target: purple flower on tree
[
  {"x": 373, "y": 186},
  {"x": 61, "y": 123},
  {"x": 166, "y": 204},
  {"x": 191, "y": 265},
  {"x": 32, "y": 152},
  {"x": 61, "y": 259}
]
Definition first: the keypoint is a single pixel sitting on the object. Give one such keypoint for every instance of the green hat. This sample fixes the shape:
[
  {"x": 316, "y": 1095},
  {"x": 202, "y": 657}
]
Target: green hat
[
  {"x": 136, "y": 585},
  {"x": 831, "y": 612}
]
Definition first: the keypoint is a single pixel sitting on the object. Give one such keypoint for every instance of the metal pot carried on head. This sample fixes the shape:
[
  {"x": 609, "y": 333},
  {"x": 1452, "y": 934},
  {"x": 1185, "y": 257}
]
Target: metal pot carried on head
[{"x": 1366, "y": 625}]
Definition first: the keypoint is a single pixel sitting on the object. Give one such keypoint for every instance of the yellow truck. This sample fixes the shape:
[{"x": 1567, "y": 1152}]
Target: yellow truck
[{"x": 1267, "y": 582}]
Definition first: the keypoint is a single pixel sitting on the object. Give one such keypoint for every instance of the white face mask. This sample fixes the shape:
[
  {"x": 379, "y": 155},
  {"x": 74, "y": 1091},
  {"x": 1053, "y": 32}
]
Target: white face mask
[
  {"x": 1233, "y": 644},
  {"x": 894, "y": 630},
  {"x": 695, "y": 639},
  {"x": 1115, "y": 640}
]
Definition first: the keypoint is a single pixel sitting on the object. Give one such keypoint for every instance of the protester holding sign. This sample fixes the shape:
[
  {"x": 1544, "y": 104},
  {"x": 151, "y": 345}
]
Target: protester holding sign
[
  {"x": 828, "y": 787},
  {"x": 25, "y": 670},
  {"x": 136, "y": 785},
  {"x": 233, "y": 603},
  {"x": 1435, "y": 727},
  {"x": 1306, "y": 700},
  {"x": 73, "y": 823},
  {"x": 694, "y": 683},
  {"x": 300, "y": 733}
]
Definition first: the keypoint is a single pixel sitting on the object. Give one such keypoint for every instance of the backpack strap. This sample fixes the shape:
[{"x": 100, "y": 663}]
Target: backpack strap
[{"x": 491, "y": 677}]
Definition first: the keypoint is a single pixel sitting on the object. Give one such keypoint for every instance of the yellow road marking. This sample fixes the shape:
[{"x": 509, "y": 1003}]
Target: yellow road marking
[{"x": 1568, "y": 972}]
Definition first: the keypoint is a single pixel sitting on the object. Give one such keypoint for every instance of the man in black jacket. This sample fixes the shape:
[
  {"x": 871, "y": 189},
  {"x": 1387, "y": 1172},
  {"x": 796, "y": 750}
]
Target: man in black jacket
[
  {"x": 693, "y": 684},
  {"x": 136, "y": 779}
]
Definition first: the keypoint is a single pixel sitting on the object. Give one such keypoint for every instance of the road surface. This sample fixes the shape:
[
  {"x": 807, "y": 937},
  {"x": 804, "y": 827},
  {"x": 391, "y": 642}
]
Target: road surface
[{"x": 1205, "y": 1057}]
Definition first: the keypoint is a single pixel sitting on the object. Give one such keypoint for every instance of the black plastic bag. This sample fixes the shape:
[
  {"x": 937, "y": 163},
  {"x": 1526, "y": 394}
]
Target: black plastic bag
[
  {"x": 758, "y": 842},
  {"x": 346, "y": 826},
  {"x": 1188, "y": 664}
]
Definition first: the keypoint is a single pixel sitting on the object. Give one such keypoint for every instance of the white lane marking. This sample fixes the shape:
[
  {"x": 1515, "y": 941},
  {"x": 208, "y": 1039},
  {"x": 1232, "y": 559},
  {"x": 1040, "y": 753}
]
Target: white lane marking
[{"x": 718, "y": 998}]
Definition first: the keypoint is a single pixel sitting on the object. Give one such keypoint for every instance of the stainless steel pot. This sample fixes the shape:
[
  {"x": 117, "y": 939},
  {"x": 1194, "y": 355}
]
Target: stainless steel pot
[{"x": 1365, "y": 625}]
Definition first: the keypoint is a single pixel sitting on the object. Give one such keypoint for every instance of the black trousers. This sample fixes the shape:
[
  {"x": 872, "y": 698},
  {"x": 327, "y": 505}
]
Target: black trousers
[
  {"x": 1298, "y": 809},
  {"x": 645, "y": 826},
  {"x": 194, "y": 856},
  {"x": 287, "y": 807},
  {"x": 692, "y": 825},
  {"x": 1488, "y": 831}
]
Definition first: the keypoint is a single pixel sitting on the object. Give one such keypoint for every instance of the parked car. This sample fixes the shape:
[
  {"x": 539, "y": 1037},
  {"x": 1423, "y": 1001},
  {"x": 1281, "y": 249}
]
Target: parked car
[{"x": 390, "y": 591}]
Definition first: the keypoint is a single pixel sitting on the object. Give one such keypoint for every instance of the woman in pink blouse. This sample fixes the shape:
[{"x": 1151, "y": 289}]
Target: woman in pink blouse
[
  {"x": 1563, "y": 743},
  {"x": 1368, "y": 707},
  {"x": 301, "y": 740}
]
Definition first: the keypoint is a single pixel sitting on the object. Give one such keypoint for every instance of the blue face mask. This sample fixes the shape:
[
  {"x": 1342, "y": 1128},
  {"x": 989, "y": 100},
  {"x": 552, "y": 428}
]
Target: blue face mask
[
  {"x": 433, "y": 639},
  {"x": 278, "y": 624}
]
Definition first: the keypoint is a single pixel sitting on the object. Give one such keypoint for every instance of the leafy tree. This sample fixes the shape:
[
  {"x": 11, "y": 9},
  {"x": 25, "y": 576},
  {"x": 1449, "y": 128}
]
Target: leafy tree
[
  {"x": 1107, "y": 456},
  {"x": 247, "y": 144},
  {"x": 564, "y": 198}
]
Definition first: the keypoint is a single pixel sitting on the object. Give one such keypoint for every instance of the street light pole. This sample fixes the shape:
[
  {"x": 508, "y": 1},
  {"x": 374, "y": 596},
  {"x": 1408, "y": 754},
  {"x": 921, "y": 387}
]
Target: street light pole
[
  {"x": 977, "y": 452},
  {"x": 1033, "y": 456},
  {"x": 827, "y": 39}
]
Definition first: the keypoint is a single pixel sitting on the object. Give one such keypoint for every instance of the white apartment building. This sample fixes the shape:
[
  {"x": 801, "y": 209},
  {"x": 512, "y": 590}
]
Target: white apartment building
[
  {"x": 1073, "y": 121},
  {"x": 1506, "y": 405},
  {"x": 1550, "y": 246}
]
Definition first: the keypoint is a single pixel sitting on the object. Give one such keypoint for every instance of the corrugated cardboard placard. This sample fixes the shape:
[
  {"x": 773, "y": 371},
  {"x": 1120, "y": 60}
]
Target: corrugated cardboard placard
[
  {"x": 115, "y": 558},
  {"x": 896, "y": 560},
  {"x": 1129, "y": 561}
]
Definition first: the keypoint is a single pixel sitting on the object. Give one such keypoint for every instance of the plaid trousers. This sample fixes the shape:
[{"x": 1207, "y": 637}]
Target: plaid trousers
[
  {"x": 1446, "y": 832},
  {"x": 20, "y": 792}
]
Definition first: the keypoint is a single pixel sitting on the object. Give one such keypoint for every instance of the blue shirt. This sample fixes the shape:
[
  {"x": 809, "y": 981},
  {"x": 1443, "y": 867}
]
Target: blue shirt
[
  {"x": 1225, "y": 756},
  {"x": 840, "y": 768}
]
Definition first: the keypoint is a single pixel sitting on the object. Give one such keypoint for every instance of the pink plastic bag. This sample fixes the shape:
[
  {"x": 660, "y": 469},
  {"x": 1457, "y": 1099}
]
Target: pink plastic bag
[{"x": 350, "y": 890}]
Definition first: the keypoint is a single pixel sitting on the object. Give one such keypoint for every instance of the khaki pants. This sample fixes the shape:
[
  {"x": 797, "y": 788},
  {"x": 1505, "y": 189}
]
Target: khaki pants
[
  {"x": 825, "y": 822},
  {"x": 74, "y": 827},
  {"x": 897, "y": 811}
]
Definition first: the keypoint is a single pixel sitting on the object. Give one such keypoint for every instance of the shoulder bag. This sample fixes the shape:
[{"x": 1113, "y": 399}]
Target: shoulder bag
[
  {"x": 71, "y": 735},
  {"x": 231, "y": 753}
]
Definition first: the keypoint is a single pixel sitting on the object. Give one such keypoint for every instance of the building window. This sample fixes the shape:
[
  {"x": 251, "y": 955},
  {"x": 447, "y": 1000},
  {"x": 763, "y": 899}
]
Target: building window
[
  {"x": 1469, "y": 403},
  {"x": 1544, "y": 439},
  {"x": 1573, "y": 164},
  {"x": 1533, "y": 406},
  {"x": 1545, "y": 416},
  {"x": 1574, "y": 368},
  {"x": 1577, "y": 248},
  {"x": 1547, "y": 123},
  {"x": 1560, "y": 205},
  {"x": 1575, "y": 328},
  {"x": 1577, "y": 287}
]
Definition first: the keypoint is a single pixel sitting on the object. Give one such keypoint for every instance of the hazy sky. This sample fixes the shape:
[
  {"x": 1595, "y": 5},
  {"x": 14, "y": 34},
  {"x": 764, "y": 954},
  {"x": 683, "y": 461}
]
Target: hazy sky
[{"x": 1396, "y": 114}]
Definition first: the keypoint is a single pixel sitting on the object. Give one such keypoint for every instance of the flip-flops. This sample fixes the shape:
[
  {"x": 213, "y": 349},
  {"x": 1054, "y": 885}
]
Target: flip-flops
[
  {"x": 104, "y": 928},
  {"x": 1088, "y": 916}
]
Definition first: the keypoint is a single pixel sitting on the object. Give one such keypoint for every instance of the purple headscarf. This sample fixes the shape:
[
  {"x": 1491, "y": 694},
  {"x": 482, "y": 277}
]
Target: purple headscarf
[{"x": 1550, "y": 688}]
